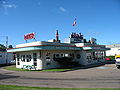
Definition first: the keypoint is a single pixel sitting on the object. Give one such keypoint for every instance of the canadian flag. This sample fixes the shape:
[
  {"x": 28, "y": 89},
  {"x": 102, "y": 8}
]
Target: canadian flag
[{"x": 74, "y": 23}]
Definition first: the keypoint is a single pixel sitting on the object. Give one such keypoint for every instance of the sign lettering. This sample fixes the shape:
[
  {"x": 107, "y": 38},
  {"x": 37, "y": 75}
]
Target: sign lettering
[{"x": 29, "y": 36}]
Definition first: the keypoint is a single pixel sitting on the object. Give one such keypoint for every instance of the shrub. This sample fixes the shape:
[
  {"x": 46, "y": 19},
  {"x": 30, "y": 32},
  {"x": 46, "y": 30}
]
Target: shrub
[{"x": 111, "y": 57}]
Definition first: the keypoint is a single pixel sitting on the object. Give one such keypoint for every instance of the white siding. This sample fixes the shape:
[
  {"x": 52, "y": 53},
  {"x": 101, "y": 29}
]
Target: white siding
[
  {"x": 2, "y": 58},
  {"x": 5, "y": 57},
  {"x": 113, "y": 52}
]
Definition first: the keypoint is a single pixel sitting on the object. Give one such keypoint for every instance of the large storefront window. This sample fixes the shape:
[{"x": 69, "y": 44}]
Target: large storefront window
[
  {"x": 98, "y": 55},
  {"x": 61, "y": 56},
  {"x": 26, "y": 58}
]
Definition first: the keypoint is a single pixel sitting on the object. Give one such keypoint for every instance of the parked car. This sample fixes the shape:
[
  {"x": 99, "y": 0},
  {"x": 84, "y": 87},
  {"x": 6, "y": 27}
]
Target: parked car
[
  {"x": 108, "y": 59},
  {"x": 11, "y": 61},
  {"x": 117, "y": 58}
]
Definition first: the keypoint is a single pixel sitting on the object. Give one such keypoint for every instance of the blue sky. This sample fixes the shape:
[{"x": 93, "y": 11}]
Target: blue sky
[{"x": 95, "y": 18}]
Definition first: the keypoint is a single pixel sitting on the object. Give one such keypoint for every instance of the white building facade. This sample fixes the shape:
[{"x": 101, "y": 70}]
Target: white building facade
[
  {"x": 46, "y": 55},
  {"x": 114, "y": 50}
]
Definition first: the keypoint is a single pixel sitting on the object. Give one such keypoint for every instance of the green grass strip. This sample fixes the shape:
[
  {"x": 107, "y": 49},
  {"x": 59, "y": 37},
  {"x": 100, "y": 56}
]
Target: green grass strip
[
  {"x": 13, "y": 68},
  {"x": 14, "y": 87}
]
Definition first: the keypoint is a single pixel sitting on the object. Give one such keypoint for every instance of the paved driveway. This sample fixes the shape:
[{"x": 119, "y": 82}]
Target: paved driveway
[{"x": 107, "y": 76}]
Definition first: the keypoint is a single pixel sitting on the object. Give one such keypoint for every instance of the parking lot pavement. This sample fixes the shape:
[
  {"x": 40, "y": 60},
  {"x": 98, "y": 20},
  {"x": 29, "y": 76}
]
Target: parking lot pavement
[{"x": 107, "y": 76}]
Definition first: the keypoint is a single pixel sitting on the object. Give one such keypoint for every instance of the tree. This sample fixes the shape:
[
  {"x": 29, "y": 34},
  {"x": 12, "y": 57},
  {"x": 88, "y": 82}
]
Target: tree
[
  {"x": 84, "y": 40},
  {"x": 2, "y": 47},
  {"x": 10, "y": 46}
]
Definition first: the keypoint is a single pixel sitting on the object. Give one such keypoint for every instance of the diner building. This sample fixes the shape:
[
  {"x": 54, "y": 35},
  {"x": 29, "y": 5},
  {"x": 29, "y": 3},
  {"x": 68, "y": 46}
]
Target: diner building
[{"x": 53, "y": 53}]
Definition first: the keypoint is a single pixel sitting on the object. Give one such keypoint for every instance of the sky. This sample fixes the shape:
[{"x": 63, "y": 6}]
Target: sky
[{"x": 95, "y": 18}]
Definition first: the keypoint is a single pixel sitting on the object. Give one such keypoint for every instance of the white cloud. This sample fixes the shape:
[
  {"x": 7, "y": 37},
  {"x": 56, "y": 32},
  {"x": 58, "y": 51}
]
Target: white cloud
[
  {"x": 10, "y": 6},
  {"x": 62, "y": 9},
  {"x": 39, "y": 3},
  {"x": 3, "y": 2},
  {"x": 5, "y": 5}
]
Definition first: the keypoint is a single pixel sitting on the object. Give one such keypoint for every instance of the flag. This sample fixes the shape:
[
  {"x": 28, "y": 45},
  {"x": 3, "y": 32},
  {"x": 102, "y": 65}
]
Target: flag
[{"x": 74, "y": 23}]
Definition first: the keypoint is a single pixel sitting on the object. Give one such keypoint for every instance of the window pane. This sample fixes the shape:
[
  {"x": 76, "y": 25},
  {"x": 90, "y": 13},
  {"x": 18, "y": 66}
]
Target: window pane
[
  {"x": 18, "y": 63},
  {"x": 35, "y": 64},
  {"x": 34, "y": 55},
  {"x": 28, "y": 57},
  {"x": 78, "y": 56},
  {"x": 23, "y": 58},
  {"x": 18, "y": 57}
]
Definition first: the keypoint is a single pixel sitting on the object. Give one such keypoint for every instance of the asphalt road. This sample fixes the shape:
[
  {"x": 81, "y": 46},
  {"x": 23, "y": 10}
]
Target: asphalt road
[{"x": 107, "y": 76}]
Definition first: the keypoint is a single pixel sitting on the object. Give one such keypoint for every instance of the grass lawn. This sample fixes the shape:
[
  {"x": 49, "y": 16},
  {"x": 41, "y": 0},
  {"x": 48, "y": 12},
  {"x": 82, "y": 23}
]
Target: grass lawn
[
  {"x": 14, "y": 87},
  {"x": 13, "y": 68}
]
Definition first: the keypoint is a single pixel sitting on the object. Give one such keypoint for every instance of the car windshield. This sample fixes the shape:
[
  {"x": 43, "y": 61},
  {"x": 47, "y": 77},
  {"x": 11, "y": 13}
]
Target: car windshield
[{"x": 117, "y": 57}]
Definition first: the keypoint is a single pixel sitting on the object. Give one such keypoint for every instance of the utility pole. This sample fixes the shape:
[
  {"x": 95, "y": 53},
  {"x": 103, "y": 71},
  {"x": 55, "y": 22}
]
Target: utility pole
[
  {"x": 6, "y": 42},
  {"x": 6, "y": 50}
]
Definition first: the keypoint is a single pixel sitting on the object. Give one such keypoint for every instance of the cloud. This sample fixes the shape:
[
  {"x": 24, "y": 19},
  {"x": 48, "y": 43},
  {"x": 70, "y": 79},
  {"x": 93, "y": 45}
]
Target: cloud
[
  {"x": 5, "y": 5},
  {"x": 3, "y": 2},
  {"x": 39, "y": 3},
  {"x": 62, "y": 9},
  {"x": 10, "y": 6},
  {"x": 97, "y": 33}
]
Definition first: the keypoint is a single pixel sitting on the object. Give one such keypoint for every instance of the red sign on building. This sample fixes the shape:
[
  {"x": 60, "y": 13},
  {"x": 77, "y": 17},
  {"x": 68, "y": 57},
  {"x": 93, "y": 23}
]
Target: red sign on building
[{"x": 29, "y": 36}]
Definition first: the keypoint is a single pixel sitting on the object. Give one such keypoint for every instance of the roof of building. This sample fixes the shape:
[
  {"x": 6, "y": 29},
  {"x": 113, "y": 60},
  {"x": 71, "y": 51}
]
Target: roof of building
[
  {"x": 113, "y": 46},
  {"x": 42, "y": 45}
]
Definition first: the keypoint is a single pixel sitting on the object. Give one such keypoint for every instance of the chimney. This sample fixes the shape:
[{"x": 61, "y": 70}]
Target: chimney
[{"x": 57, "y": 36}]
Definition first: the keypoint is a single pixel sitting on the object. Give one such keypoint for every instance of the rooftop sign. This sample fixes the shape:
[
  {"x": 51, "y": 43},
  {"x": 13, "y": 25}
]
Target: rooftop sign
[{"x": 29, "y": 36}]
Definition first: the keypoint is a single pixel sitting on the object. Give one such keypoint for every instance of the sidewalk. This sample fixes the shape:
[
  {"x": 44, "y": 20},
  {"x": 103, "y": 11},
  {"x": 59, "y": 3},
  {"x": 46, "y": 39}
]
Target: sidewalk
[{"x": 86, "y": 66}]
